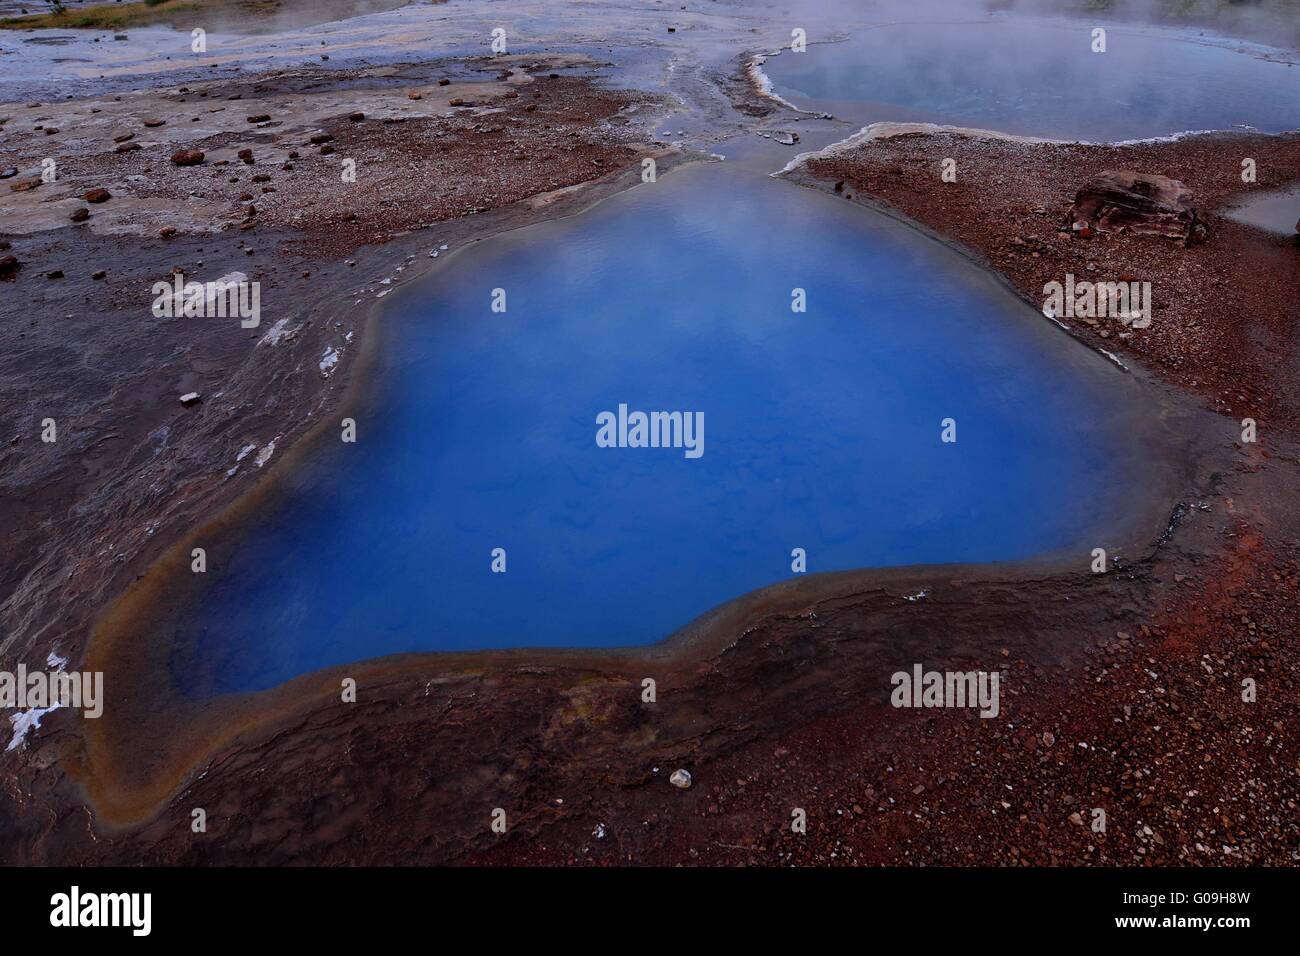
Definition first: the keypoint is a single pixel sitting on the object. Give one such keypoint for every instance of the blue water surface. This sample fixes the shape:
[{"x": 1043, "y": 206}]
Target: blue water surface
[
  {"x": 1041, "y": 78},
  {"x": 822, "y": 432}
]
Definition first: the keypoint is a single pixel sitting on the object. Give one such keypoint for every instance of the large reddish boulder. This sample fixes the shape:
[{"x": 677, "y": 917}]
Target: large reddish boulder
[
  {"x": 187, "y": 157},
  {"x": 1138, "y": 203}
]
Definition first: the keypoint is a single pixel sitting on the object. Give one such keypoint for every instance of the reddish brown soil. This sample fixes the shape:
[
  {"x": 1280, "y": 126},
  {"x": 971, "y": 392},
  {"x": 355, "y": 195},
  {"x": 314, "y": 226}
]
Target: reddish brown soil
[{"x": 1224, "y": 313}]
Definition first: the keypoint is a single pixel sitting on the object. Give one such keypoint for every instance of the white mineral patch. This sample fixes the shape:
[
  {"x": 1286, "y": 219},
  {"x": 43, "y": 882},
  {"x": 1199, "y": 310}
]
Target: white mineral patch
[
  {"x": 277, "y": 333},
  {"x": 55, "y": 661},
  {"x": 25, "y": 722},
  {"x": 329, "y": 360},
  {"x": 265, "y": 454},
  {"x": 1114, "y": 358}
]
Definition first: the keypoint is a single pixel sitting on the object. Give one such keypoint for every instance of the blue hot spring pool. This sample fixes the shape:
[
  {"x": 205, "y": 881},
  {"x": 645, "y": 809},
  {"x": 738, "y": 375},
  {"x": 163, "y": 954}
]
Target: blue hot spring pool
[
  {"x": 1041, "y": 78},
  {"x": 822, "y": 431}
]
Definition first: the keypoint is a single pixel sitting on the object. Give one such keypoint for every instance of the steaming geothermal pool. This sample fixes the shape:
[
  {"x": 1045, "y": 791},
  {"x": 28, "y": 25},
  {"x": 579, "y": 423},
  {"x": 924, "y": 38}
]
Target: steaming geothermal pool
[
  {"x": 1027, "y": 77},
  {"x": 821, "y": 432}
]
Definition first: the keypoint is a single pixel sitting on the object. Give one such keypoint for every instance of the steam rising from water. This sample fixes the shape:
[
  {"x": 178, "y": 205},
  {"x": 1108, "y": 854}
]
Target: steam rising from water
[{"x": 1275, "y": 22}]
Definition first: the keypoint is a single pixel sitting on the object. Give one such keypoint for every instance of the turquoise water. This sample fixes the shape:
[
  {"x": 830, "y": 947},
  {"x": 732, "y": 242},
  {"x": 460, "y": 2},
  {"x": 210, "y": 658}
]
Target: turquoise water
[
  {"x": 821, "y": 432},
  {"x": 1040, "y": 78}
]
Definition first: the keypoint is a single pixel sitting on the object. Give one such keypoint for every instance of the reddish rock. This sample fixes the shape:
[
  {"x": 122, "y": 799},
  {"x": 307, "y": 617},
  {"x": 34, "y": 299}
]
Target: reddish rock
[
  {"x": 246, "y": 155},
  {"x": 97, "y": 195},
  {"x": 1121, "y": 201},
  {"x": 127, "y": 148},
  {"x": 154, "y": 123},
  {"x": 80, "y": 214},
  {"x": 187, "y": 157},
  {"x": 23, "y": 185}
]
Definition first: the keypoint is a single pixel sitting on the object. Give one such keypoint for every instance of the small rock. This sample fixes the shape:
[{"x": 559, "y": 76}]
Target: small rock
[
  {"x": 318, "y": 139},
  {"x": 154, "y": 123},
  {"x": 167, "y": 232},
  {"x": 9, "y": 173},
  {"x": 414, "y": 95},
  {"x": 124, "y": 137},
  {"x": 127, "y": 148},
  {"x": 444, "y": 82},
  {"x": 99, "y": 274},
  {"x": 80, "y": 214},
  {"x": 9, "y": 267},
  {"x": 680, "y": 779},
  {"x": 246, "y": 155},
  {"x": 97, "y": 195},
  {"x": 260, "y": 118},
  {"x": 190, "y": 398},
  {"x": 357, "y": 117},
  {"x": 187, "y": 157}
]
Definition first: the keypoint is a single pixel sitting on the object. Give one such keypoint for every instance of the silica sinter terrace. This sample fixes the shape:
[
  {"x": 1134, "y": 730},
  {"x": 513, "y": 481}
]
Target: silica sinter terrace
[
  {"x": 819, "y": 430},
  {"x": 1041, "y": 78}
]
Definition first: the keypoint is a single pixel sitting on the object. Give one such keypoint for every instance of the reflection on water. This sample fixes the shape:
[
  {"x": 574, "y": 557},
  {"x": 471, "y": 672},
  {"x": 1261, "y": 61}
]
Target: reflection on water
[{"x": 1275, "y": 211}]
